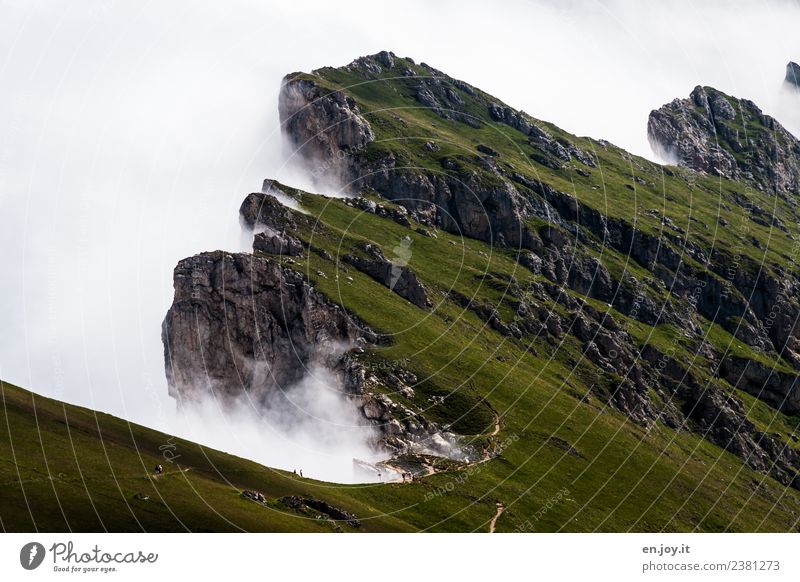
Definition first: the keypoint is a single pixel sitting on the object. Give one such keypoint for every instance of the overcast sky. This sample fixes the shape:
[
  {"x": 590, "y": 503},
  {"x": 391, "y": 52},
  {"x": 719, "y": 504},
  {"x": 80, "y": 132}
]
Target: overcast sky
[{"x": 131, "y": 131}]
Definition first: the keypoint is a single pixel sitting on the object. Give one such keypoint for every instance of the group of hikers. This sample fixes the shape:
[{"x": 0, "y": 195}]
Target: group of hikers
[{"x": 407, "y": 477}]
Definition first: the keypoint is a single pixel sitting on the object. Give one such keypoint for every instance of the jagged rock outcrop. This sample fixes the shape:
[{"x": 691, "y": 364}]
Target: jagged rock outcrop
[
  {"x": 406, "y": 430},
  {"x": 278, "y": 244},
  {"x": 397, "y": 213},
  {"x": 718, "y": 134},
  {"x": 443, "y": 99},
  {"x": 491, "y": 210},
  {"x": 780, "y": 389},
  {"x": 325, "y": 126},
  {"x": 263, "y": 209},
  {"x": 397, "y": 276},
  {"x": 242, "y": 323},
  {"x": 793, "y": 74},
  {"x": 272, "y": 222},
  {"x": 331, "y": 511},
  {"x": 551, "y": 152}
]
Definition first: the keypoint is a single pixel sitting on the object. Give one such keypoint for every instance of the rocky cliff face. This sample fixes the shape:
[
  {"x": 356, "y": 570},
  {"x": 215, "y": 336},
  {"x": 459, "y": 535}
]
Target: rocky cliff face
[
  {"x": 325, "y": 126},
  {"x": 729, "y": 137},
  {"x": 241, "y": 323},
  {"x": 262, "y": 323}
]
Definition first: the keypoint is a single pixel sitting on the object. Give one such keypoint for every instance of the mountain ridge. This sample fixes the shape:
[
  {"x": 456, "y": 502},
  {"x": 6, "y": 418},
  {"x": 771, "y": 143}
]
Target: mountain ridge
[
  {"x": 415, "y": 137},
  {"x": 591, "y": 320}
]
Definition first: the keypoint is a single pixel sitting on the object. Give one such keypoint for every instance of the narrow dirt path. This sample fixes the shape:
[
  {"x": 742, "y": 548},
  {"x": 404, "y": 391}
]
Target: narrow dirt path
[
  {"x": 501, "y": 507},
  {"x": 495, "y": 430},
  {"x": 487, "y": 455}
]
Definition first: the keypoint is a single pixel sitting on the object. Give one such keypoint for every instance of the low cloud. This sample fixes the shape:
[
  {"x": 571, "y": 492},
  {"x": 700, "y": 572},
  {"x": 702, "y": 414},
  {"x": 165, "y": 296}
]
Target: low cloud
[{"x": 311, "y": 426}]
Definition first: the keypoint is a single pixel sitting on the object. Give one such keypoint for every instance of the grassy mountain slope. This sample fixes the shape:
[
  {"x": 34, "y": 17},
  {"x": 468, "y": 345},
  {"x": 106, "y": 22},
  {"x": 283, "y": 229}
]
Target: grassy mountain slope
[
  {"x": 67, "y": 468},
  {"x": 569, "y": 456},
  {"x": 619, "y": 475}
]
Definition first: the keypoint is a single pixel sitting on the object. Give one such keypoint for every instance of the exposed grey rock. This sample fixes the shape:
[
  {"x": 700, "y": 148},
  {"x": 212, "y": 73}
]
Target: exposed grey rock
[
  {"x": 408, "y": 431},
  {"x": 779, "y": 389},
  {"x": 374, "y": 65},
  {"x": 539, "y": 138},
  {"x": 531, "y": 261},
  {"x": 277, "y": 244},
  {"x": 462, "y": 203},
  {"x": 399, "y": 214},
  {"x": 703, "y": 133},
  {"x": 516, "y": 119},
  {"x": 386, "y": 59},
  {"x": 721, "y": 418},
  {"x": 244, "y": 324},
  {"x": 256, "y": 496},
  {"x": 679, "y": 131},
  {"x": 260, "y": 209},
  {"x": 331, "y": 511},
  {"x": 397, "y": 277},
  {"x": 241, "y": 323},
  {"x": 742, "y": 305},
  {"x": 456, "y": 202},
  {"x": 325, "y": 126},
  {"x": 272, "y": 221},
  {"x": 486, "y": 150},
  {"x": 442, "y": 97}
]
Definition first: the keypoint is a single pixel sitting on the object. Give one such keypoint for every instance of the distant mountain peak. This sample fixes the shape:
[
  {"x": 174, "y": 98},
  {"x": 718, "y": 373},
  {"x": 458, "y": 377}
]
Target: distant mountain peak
[{"x": 718, "y": 134}]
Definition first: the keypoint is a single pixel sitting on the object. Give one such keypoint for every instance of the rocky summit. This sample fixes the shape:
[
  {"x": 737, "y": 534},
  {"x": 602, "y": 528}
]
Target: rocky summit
[
  {"x": 507, "y": 295},
  {"x": 728, "y": 137}
]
